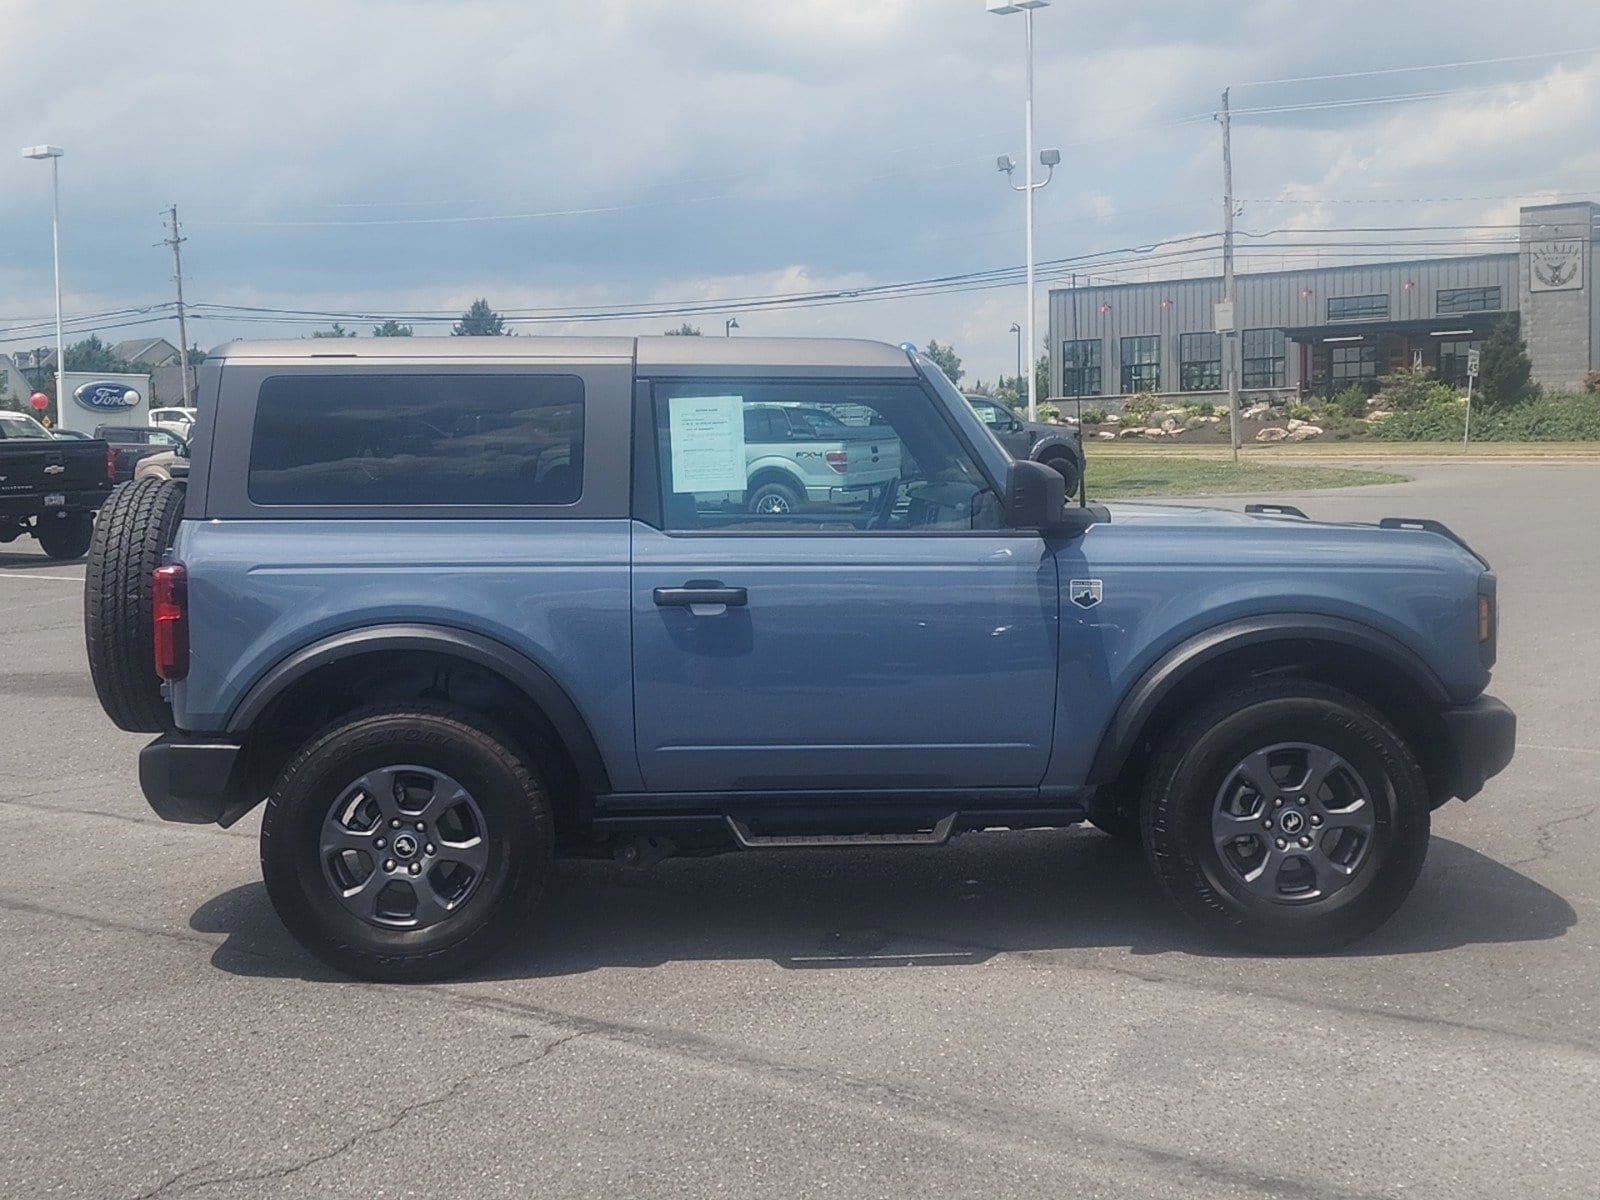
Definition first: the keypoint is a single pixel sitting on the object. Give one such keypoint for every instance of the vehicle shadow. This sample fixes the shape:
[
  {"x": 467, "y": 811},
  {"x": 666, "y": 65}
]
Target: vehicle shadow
[
  {"x": 1058, "y": 890},
  {"x": 11, "y": 560}
]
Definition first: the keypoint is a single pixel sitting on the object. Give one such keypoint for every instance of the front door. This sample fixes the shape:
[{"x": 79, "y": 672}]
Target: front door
[{"x": 883, "y": 633}]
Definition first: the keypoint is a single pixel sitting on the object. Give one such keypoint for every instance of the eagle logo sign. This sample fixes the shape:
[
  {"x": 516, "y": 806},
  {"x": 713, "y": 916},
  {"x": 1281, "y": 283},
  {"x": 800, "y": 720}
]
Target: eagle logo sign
[{"x": 1556, "y": 266}]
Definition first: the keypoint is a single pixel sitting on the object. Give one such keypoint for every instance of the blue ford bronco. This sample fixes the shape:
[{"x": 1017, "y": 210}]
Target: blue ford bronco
[{"x": 455, "y": 607}]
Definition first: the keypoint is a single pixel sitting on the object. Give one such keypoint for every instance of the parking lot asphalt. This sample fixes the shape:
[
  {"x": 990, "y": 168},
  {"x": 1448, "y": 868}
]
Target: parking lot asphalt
[{"x": 1009, "y": 1016}]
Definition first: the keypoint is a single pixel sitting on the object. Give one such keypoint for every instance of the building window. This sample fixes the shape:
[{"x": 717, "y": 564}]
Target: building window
[
  {"x": 1141, "y": 364},
  {"x": 1358, "y": 308},
  {"x": 1465, "y": 300},
  {"x": 1453, "y": 359},
  {"x": 1200, "y": 362},
  {"x": 1080, "y": 367},
  {"x": 1265, "y": 359},
  {"x": 1352, "y": 364}
]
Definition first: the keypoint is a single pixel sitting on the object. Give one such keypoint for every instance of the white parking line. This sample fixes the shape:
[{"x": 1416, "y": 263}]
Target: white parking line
[{"x": 58, "y": 578}]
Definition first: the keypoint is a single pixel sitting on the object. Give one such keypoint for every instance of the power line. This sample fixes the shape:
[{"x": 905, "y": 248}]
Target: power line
[{"x": 1479, "y": 62}]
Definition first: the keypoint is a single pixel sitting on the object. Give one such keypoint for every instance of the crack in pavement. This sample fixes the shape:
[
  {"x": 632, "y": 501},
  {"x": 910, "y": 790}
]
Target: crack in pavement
[
  {"x": 1544, "y": 836},
  {"x": 169, "y": 1187}
]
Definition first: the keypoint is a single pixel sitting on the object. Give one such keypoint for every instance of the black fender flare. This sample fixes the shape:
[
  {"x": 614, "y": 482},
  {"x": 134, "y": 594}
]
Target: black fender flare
[
  {"x": 1157, "y": 682},
  {"x": 512, "y": 665}
]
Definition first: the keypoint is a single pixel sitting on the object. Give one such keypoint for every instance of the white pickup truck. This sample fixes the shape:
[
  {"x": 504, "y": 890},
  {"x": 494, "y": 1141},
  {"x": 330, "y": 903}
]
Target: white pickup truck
[{"x": 796, "y": 454}]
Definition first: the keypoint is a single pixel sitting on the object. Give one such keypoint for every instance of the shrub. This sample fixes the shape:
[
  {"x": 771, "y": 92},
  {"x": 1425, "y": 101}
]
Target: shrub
[
  {"x": 1591, "y": 382},
  {"x": 1350, "y": 402},
  {"x": 1557, "y": 417},
  {"x": 1049, "y": 414},
  {"x": 1299, "y": 411},
  {"x": 1199, "y": 408},
  {"x": 1142, "y": 406},
  {"x": 1412, "y": 388},
  {"x": 1094, "y": 416}
]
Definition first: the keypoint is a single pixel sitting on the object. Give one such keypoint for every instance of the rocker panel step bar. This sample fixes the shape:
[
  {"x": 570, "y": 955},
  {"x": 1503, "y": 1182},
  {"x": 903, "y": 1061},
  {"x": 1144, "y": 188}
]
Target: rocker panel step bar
[{"x": 937, "y": 836}]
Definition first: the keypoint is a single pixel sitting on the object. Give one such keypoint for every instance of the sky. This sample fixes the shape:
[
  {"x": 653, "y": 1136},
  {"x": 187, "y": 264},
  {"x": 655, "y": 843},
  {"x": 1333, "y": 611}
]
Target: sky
[{"x": 409, "y": 156}]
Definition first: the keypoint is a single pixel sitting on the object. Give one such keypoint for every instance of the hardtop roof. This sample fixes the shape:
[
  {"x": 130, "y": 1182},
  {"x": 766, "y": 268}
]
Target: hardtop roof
[{"x": 654, "y": 355}]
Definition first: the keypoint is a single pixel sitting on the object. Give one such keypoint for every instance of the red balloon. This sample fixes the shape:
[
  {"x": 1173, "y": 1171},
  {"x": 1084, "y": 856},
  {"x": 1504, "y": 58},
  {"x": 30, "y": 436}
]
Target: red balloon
[{"x": 39, "y": 401}]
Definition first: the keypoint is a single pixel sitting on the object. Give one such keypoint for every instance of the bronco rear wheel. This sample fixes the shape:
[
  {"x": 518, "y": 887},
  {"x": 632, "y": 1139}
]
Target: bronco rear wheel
[
  {"x": 1288, "y": 816},
  {"x": 405, "y": 844},
  {"x": 134, "y": 529}
]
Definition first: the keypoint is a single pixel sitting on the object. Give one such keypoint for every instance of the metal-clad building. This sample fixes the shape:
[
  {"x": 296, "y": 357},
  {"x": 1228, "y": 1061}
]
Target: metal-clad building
[{"x": 1321, "y": 329}]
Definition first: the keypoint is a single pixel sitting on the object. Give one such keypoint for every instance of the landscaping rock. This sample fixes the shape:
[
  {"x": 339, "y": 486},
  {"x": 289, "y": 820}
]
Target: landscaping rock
[
  {"x": 1106, "y": 435},
  {"x": 1255, "y": 412},
  {"x": 1271, "y": 434},
  {"x": 1295, "y": 423},
  {"x": 1131, "y": 432},
  {"x": 1113, "y": 419},
  {"x": 1304, "y": 432},
  {"x": 1169, "y": 424}
]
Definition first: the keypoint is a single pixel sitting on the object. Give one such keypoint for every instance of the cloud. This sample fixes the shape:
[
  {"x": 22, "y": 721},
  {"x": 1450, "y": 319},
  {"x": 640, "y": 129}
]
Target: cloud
[{"x": 721, "y": 147}]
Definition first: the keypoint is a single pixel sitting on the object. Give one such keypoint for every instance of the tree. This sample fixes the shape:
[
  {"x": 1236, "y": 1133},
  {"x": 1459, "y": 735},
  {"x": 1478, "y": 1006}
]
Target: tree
[
  {"x": 479, "y": 321},
  {"x": 391, "y": 328},
  {"x": 1504, "y": 372},
  {"x": 196, "y": 356},
  {"x": 1041, "y": 372},
  {"x": 945, "y": 358},
  {"x": 684, "y": 330},
  {"x": 95, "y": 357},
  {"x": 338, "y": 331}
]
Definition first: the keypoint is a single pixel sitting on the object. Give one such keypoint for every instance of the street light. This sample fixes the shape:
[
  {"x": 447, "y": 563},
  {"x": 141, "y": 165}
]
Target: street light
[
  {"x": 54, "y": 153},
  {"x": 1049, "y": 158},
  {"x": 729, "y": 326},
  {"x": 1017, "y": 329}
]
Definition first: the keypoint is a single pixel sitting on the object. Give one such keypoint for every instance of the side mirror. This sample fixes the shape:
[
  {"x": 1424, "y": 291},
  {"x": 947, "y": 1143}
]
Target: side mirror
[{"x": 1036, "y": 497}]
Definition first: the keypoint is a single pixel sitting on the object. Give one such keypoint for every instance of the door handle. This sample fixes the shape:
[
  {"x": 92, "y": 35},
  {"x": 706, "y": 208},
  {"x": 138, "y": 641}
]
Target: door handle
[{"x": 688, "y": 597}]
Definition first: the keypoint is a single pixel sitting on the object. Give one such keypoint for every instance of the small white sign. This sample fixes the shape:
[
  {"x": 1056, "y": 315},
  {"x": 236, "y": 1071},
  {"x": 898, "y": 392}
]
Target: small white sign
[
  {"x": 1474, "y": 357},
  {"x": 1223, "y": 312},
  {"x": 707, "y": 443}
]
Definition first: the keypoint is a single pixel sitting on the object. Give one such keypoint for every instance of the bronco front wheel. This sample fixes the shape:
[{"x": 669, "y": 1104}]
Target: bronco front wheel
[
  {"x": 406, "y": 844},
  {"x": 1288, "y": 816}
]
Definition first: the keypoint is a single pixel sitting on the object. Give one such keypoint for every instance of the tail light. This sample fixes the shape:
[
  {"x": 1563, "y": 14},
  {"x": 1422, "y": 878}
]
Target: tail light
[
  {"x": 111, "y": 464},
  {"x": 169, "y": 603},
  {"x": 839, "y": 460}
]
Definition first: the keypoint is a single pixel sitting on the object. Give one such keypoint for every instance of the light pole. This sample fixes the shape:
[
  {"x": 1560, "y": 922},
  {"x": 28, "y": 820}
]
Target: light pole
[
  {"x": 1049, "y": 158},
  {"x": 1017, "y": 329},
  {"x": 54, "y": 153},
  {"x": 729, "y": 326}
]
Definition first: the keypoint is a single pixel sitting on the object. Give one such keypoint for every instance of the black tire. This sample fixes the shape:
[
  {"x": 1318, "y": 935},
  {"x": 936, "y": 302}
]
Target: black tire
[
  {"x": 361, "y": 936},
  {"x": 65, "y": 535},
  {"x": 134, "y": 529},
  {"x": 777, "y": 498},
  {"x": 1364, "y": 850},
  {"x": 1064, "y": 464}
]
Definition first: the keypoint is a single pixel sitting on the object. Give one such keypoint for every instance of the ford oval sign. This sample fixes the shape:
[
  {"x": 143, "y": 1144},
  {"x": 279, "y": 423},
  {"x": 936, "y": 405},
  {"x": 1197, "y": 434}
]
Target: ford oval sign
[{"x": 101, "y": 397}]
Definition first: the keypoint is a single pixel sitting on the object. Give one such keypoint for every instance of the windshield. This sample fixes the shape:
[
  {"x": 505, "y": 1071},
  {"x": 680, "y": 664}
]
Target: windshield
[{"x": 20, "y": 425}]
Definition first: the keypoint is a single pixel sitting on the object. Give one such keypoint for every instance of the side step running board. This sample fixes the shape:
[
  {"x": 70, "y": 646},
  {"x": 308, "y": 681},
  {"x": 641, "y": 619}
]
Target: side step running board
[{"x": 937, "y": 836}]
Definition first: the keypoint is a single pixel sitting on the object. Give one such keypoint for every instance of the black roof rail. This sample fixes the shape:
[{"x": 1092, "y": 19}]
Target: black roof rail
[{"x": 1428, "y": 525}]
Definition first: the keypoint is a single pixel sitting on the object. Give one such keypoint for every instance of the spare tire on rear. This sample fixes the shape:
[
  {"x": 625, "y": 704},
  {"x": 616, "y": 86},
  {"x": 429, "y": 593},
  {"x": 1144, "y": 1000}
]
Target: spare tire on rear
[{"x": 132, "y": 532}]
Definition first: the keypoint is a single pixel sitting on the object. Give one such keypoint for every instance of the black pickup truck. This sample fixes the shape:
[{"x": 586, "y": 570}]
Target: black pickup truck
[{"x": 50, "y": 487}]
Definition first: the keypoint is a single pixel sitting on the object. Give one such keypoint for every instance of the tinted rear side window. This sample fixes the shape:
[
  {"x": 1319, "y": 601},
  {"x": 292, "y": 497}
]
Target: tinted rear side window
[{"x": 418, "y": 440}]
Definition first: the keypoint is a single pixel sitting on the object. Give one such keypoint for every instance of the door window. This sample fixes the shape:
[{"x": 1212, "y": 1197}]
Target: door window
[{"x": 745, "y": 456}]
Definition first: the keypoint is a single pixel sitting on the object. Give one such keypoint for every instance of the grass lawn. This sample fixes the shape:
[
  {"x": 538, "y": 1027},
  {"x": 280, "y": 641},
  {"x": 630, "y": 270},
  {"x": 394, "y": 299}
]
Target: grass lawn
[
  {"x": 1160, "y": 474},
  {"x": 1327, "y": 448}
]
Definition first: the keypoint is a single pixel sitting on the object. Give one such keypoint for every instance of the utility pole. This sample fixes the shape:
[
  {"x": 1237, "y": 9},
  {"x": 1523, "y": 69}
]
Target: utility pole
[
  {"x": 1227, "y": 326},
  {"x": 175, "y": 240}
]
